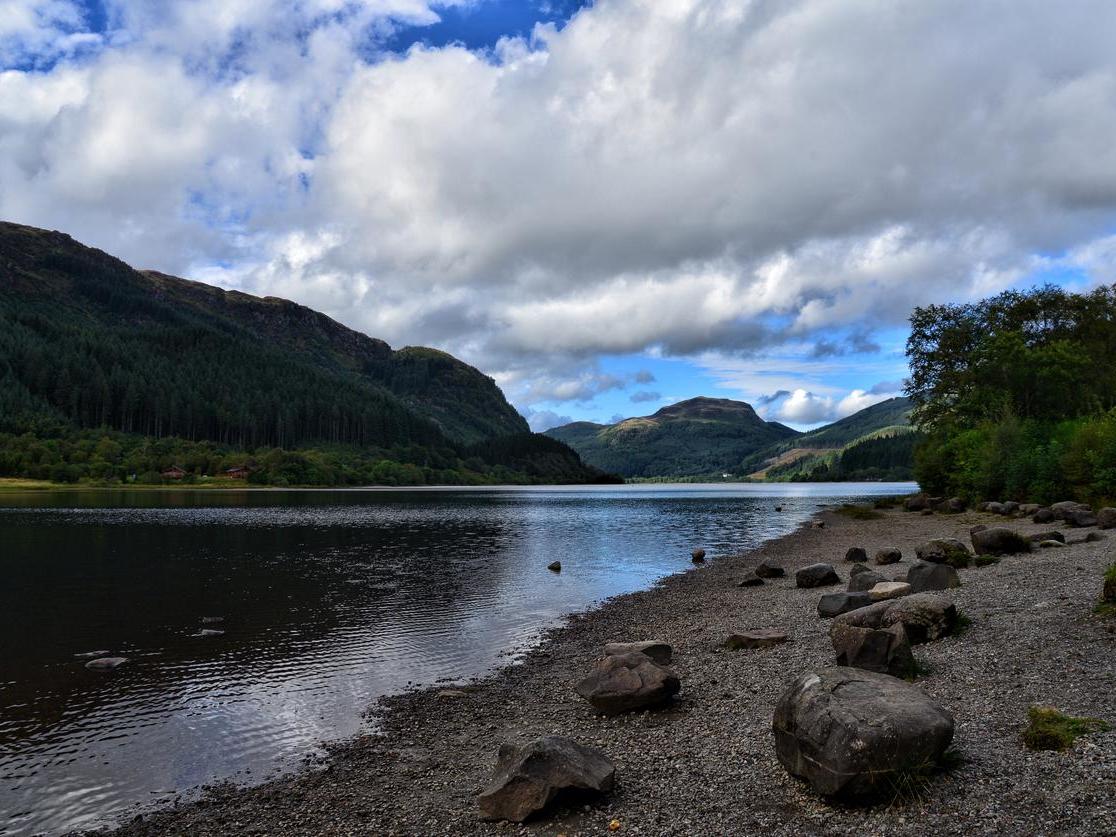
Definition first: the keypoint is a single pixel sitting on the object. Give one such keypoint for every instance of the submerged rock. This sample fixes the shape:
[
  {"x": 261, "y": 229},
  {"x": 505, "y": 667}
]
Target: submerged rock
[
  {"x": 555, "y": 566},
  {"x": 853, "y": 733},
  {"x": 527, "y": 779}
]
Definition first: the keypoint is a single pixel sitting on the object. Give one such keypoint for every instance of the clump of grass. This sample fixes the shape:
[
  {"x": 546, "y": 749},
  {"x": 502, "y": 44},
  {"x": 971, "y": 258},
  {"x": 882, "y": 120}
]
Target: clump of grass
[
  {"x": 961, "y": 624},
  {"x": 859, "y": 512},
  {"x": 1107, "y": 604},
  {"x": 986, "y": 560},
  {"x": 909, "y": 784},
  {"x": 1049, "y": 729}
]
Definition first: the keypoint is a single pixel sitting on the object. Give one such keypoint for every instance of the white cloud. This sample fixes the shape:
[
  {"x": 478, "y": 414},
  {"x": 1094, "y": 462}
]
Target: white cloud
[
  {"x": 858, "y": 400},
  {"x": 677, "y": 178}
]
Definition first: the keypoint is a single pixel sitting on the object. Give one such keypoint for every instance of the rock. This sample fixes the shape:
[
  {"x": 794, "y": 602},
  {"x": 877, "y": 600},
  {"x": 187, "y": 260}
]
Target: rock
[
  {"x": 698, "y": 555},
  {"x": 751, "y": 640},
  {"x": 1065, "y": 509},
  {"x": 527, "y": 778},
  {"x": 852, "y": 733},
  {"x": 816, "y": 575},
  {"x": 886, "y": 650},
  {"x": 1027, "y": 509},
  {"x": 205, "y": 632},
  {"x": 1082, "y": 518},
  {"x": 1044, "y": 516},
  {"x": 555, "y": 566},
  {"x": 818, "y": 524},
  {"x": 1039, "y": 537},
  {"x": 657, "y": 650},
  {"x": 212, "y": 620},
  {"x": 106, "y": 663},
  {"x": 832, "y": 604},
  {"x": 886, "y": 590},
  {"x": 916, "y": 503},
  {"x": 955, "y": 505},
  {"x": 1092, "y": 537},
  {"x": 627, "y": 682},
  {"x": 925, "y": 616},
  {"x": 856, "y": 554},
  {"x": 925, "y": 576},
  {"x": 451, "y": 694},
  {"x": 750, "y": 580},
  {"x": 766, "y": 569},
  {"x": 1051, "y": 544},
  {"x": 926, "y": 512},
  {"x": 862, "y": 582},
  {"x": 1010, "y": 507},
  {"x": 888, "y": 555},
  {"x": 999, "y": 541},
  {"x": 944, "y": 551},
  {"x": 778, "y": 508},
  {"x": 1106, "y": 518},
  {"x": 980, "y": 527},
  {"x": 857, "y": 569},
  {"x": 994, "y": 508}
]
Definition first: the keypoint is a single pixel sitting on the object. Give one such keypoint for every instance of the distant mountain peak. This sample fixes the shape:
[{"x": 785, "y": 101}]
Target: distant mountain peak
[{"x": 703, "y": 407}]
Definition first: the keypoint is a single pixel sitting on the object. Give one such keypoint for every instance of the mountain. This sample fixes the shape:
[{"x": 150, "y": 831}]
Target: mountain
[
  {"x": 874, "y": 443},
  {"x": 88, "y": 344},
  {"x": 691, "y": 438}
]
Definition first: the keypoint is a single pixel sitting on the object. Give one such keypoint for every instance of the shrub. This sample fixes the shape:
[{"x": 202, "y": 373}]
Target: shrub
[{"x": 1049, "y": 729}]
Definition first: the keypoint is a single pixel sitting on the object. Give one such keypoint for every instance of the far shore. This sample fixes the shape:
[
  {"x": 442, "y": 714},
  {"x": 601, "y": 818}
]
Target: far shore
[{"x": 706, "y": 765}]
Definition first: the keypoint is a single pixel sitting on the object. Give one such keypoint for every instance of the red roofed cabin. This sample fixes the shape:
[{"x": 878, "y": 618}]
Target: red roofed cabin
[
  {"x": 237, "y": 472},
  {"x": 174, "y": 473}
]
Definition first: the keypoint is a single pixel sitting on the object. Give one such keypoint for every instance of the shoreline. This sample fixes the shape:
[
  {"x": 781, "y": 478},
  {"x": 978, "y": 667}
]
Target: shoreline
[{"x": 707, "y": 764}]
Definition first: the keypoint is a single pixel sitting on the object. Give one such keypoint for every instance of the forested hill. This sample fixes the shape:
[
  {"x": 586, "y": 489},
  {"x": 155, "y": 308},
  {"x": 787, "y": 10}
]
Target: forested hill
[
  {"x": 88, "y": 342},
  {"x": 699, "y": 436}
]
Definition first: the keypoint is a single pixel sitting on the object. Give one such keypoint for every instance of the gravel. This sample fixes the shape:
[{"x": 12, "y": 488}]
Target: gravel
[{"x": 707, "y": 764}]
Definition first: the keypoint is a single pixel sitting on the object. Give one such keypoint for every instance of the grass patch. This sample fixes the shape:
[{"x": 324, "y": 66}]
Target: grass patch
[
  {"x": 908, "y": 786},
  {"x": 1049, "y": 729},
  {"x": 859, "y": 512},
  {"x": 986, "y": 560},
  {"x": 962, "y": 624}
]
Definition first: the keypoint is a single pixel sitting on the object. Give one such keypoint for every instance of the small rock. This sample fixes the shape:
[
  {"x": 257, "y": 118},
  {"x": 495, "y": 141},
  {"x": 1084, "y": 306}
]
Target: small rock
[
  {"x": 916, "y": 503},
  {"x": 1044, "y": 516},
  {"x": 1067, "y": 508},
  {"x": 750, "y": 580},
  {"x": 924, "y": 616},
  {"x": 661, "y": 652},
  {"x": 994, "y": 508},
  {"x": 766, "y": 569},
  {"x": 628, "y": 682},
  {"x": 889, "y": 555},
  {"x": 752, "y": 640},
  {"x": 555, "y": 566},
  {"x": 818, "y": 524},
  {"x": 106, "y": 663},
  {"x": 528, "y": 778},
  {"x": 833, "y": 604},
  {"x": 1051, "y": 544},
  {"x": 697, "y": 555},
  {"x": 1028, "y": 509},
  {"x": 887, "y": 590},
  {"x": 1082, "y": 518},
  {"x": 816, "y": 575},
  {"x": 857, "y": 554}
]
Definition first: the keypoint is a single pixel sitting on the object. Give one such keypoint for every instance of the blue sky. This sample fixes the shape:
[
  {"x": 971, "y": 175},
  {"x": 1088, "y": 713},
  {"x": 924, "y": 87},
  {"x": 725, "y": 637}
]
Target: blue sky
[{"x": 607, "y": 207}]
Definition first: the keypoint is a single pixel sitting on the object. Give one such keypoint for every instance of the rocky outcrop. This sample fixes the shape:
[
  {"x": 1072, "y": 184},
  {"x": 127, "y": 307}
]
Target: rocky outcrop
[
  {"x": 657, "y": 650},
  {"x": 885, "y": 650},
  {"x": 816, "y": 575},
  {"x": 528, "y": 778},
  {"x": 999, "y": 541},
  {"x": 628, "y": 682},
  {"x": 924, "y": 576},
  {"x": 852, "y": 733}
]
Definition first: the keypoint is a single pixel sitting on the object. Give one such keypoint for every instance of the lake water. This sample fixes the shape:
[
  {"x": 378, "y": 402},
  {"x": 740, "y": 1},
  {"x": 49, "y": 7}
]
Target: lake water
[{"x": 327, "y": 600}]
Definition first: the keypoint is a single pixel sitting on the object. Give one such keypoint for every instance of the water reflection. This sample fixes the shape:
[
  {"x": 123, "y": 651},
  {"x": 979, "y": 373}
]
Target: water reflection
[{"x": 327, "y": 600}]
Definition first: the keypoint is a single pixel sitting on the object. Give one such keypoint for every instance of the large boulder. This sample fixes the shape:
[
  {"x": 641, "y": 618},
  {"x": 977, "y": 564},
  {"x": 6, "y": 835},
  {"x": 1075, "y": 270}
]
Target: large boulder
[
  {"x": 1044, "y": 515},
  {"x": 1082, "y": 518},
  {"x": 816, "y": 575},
  {"x": 1106, "y": 518},
  {"x": 527, "y": 779},
  {"x": 916, "y": 503},
  {"x": 924, "y": 576},
  {"x": 994, "y": 508},
  {"x": 886, "y": 650},
  {"x": 832, "y": 604},
  {"x": 864, "y": 581},
  {"x": 853, "y": 733},
  {"x": 999, "y": 541},
  {"x": 1027, "y": 509},
  {"x": 768, "y": 569},
  {"x": 657, "y": 650},
  {"x": 889, "y": 555},
  {"x": 944, "y": 551},
  {"x": 924, "y": 616},
  {"x": 1010, "y": 507},
  {"x": 857, "y": 554},
  {"x": 628, "y": 682},
  {"x": 1065, "y": 509}
]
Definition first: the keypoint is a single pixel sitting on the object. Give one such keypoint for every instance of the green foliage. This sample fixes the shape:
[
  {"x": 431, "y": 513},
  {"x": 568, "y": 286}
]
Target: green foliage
[
  {"x": 1107, "y": 606},
  {"x": 1049, "y": 729},
  {"x": 1017, "y": 396},
  {"x": 887, "y": 457},
  {"x": 985, "y": 560}
]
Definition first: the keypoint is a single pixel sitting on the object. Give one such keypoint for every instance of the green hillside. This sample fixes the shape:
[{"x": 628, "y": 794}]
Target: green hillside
[
  {"x": 701, "y": 436},
  {"x": 91, "y": 349}
]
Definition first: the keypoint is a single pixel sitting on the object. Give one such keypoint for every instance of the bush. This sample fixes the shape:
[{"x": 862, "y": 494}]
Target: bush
[{"x": 1049, "y": 729}]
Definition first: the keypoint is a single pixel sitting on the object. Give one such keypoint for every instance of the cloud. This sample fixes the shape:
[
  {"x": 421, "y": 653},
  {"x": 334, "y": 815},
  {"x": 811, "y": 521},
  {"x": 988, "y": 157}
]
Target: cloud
[
  {"x": 644, "y": 396},
  {"x": 859, "y": 399},
  {"x": 540, "y": 420},
  {"x": 644, "y": 376},
  {"x": 687, "y": 178}
]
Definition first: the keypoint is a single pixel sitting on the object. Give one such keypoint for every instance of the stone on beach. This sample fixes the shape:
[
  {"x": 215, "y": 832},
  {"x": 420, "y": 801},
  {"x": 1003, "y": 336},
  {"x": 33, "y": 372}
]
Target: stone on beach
[
  {"x": 627, "y": 682},
  {"x": 924, "y": 616},
  {"x": 888, "y": 555},
  {"x": 528, "y": 778},
  {"x": 751, "y": 640},
  {"x": 816, "y": 575},
  {"x": 833, "y": 604},
  {"x": 924, "y": 576},
  {"x": 862, "y": 582},
  {"x": 853, "y": 733},
  {"x": 750, "y": 580},
  {"x": 1082, "y": 518},
  {"x": 1051, "y": 544},
  {"x": 857, "y": 554},
  {"x": 999, "y": 541},
  {"x": 106, "y": 663},
  {"x": 660, "y": 652},
  {"x": 1106, "y": 518},
  {"x": 886, "y": 590},
  {"x": 944, "y": 551},
  {"x": 885, "y": 650},
  {"x": 697, "y": 556},
  {"x": 1039, "y": 537},
  {"x": 769, "y": 569}
]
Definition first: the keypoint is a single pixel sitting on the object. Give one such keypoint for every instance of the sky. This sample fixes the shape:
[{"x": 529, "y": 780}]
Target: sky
[{"x": 607, "y": 206}]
